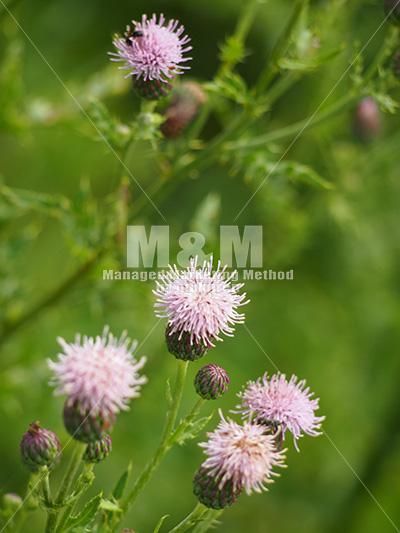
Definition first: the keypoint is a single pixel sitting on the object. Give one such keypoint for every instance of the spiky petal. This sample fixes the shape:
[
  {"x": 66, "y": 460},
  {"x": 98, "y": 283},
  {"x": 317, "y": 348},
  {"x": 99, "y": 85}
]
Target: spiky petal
[
  {"x": 153, "y": 49},
  {"x": 100, "y": 374},
  {"x": 200, "y": 301},
  {"x": 277, "y": 401},
  {"x": 244, "y": 455}
]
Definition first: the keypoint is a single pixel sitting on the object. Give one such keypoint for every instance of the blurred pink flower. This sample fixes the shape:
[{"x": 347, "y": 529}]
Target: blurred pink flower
[
  {"x": 200, "y": 302},
  {"x": 153, "y": 50},
  {"x": 277, "y": 401},
  {"x": 244, "y": 455},
  {"x": 99, "y": 374}
]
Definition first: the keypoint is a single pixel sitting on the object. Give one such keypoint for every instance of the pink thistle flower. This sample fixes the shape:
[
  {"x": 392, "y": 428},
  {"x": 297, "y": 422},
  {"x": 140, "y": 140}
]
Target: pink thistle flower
[
  {"x": 243, "y": 455},
  {"x": 200, "y": 302},
  {"x": 153, "y": 49},
  {"x": 99, "y": 374},
  {"x": 277, "y": 401}
]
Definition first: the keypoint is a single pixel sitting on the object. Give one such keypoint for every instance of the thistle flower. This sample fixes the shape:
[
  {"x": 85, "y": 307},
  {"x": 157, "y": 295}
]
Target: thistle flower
[
  {"x": 152, "y": 51},
  {"x": 278, "y": 402},
  {"x": 367, "y": 120},
  {"x": 206, "y": 489},
  {"x": 211, "y": 382},
  {"x": 186, "y": 101},
  {"x": 199, "y": 302},
  {"x": 39, "y": 447},
  {"x": 242, "y": 455},
  {"x": 98, "y": 375},
  {"x": 98, "y": 450}
]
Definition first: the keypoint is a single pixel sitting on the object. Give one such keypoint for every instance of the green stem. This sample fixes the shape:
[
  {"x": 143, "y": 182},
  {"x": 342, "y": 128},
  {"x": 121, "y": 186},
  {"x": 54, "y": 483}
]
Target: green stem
[
  {"x": 83, "y": 483},
  {"x": 192, "y": 519},
  {"x": 297, "y": 127},
  {"x": 66, "y": 483},
  {"x": 51, "y": 515},
  {"x": 280, "y": 47},
  {"x": 165, "y": 443}
]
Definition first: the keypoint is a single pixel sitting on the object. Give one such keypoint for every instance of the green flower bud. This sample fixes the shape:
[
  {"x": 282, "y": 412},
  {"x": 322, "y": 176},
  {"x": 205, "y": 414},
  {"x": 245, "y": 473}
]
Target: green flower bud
[
  {"x": 39, "y": 447},
  {"x": 211, "y": 382},
  {"x": 85, "y": 426},
  {"x": 180, "y": 345},
  {"x": 151, "y": 89},
  {"x": 206, "y": 489},
  {"x": 98, "y": 450}
]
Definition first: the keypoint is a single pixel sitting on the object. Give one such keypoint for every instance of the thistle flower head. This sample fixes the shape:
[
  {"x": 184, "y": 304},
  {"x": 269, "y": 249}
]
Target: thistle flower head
[
  {"x": 99, "y": 375},
  {"x": 200, "y": 302},
  {"x": 211, "y": 382},
  {"x": 243, "y": 455},
  {"x": 153, "y": 49},
  {"x": 277, "y": 401},
  {"x": 39, "y": 447},
  {"x": 98, "y": 450}
]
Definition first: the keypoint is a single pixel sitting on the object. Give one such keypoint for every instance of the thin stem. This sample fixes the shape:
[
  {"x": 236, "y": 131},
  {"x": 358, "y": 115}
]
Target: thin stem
[
  {"x": 66, "y": 484},
  {"x": 165, "y": 443},
  {"x": 280, "y": 47},
  {"x": 51, "y": 515},
  {"x": 297, "y": 127},
  {"x": 83, "y": 483},
  {"x": 192, "y": 519},
  {"x": 70, "y": 473}
]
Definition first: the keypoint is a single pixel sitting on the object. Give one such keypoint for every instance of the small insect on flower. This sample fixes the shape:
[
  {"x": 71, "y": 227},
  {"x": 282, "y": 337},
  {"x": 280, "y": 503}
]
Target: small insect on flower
[
  {"x": 98, "y": 375},
  {"x": 200, "y": 303},
  {"x": 243, "y": 455},
  {"x": 277, "y": 402},
  {"x": 153, "y": 52}
]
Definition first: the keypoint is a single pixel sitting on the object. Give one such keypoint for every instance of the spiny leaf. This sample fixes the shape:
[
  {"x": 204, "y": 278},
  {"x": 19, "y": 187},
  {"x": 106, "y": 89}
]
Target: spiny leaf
[{"x": 87, "y": 515}]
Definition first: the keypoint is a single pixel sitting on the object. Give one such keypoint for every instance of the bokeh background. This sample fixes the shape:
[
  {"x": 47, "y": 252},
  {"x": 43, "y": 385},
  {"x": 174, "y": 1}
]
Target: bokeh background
[{"x": 336, "y": 324}]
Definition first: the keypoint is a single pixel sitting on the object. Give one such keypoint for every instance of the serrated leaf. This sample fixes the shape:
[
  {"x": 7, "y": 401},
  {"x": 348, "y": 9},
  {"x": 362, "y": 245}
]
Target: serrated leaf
[
  {"x": 189, "y": 428},
  {"x": 120, "y": 486},
  {"x": 160, "y": 523},
  {"x": 87, "y": 515}
]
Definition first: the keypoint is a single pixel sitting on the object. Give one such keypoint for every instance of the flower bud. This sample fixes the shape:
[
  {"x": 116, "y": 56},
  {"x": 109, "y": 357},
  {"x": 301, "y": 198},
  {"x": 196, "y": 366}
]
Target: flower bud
[
  {"x": 98, "y": 450},
  {"x": 206, "y": 489},
  {"x": 367, "y": 120},
  {"x": 182, "y": 347},
  {"x": 83, "y": 425},
  {"x": 151, "y": 89},
  {"x": 392, "y": 10},
  {"x": 187, "y": 99},
  {"x": 11, "y": 502},
  {"x": 211, "y": 382},
  {"x": 39, "y": 447}
]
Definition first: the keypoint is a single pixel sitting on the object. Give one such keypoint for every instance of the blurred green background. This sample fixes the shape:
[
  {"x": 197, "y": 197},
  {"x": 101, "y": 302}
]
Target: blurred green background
[{"x": 336, "y": 324}]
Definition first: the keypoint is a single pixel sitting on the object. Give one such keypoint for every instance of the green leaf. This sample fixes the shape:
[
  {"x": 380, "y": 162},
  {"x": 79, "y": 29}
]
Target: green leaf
[
  {"x": 115, "y": 133},
  {"x": 189, "y": 428},
  {"x": 119, "y": 489},
  {"x": 87, "y": 515},
  {"x": 110, "y": 506},
  {"x": 160, "y": 523}
]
